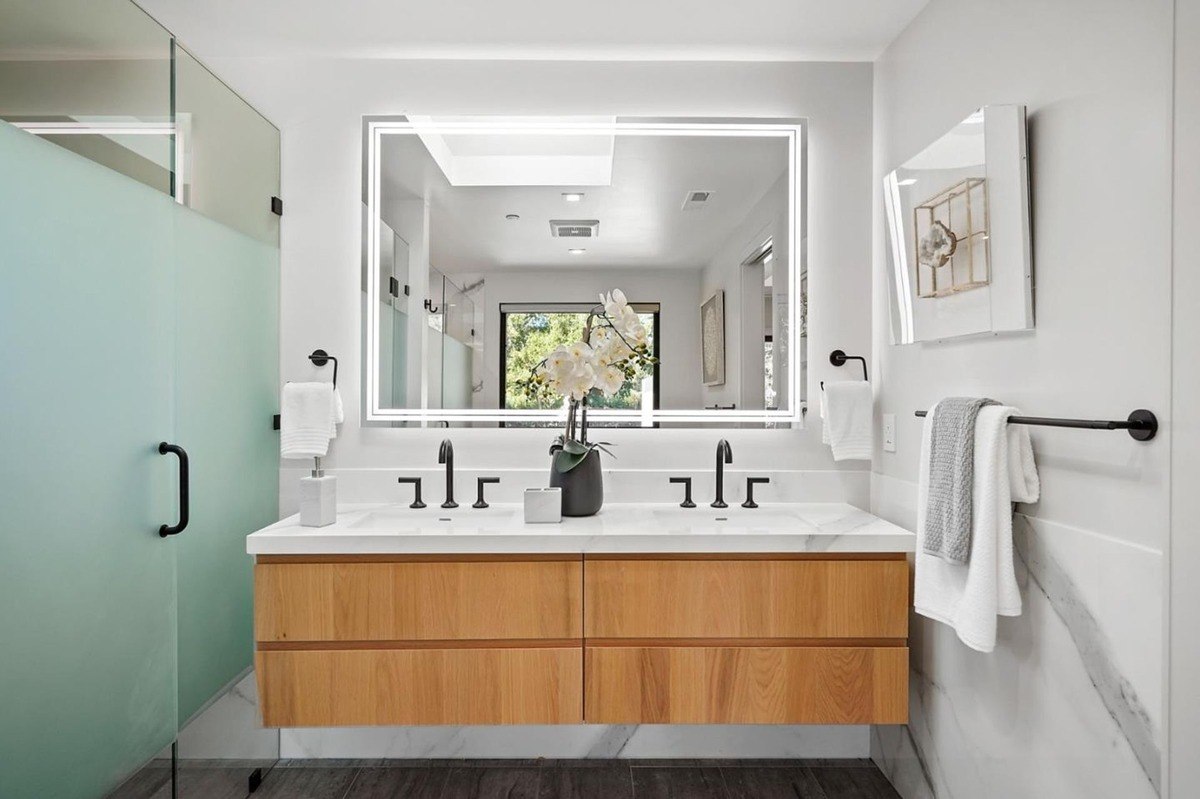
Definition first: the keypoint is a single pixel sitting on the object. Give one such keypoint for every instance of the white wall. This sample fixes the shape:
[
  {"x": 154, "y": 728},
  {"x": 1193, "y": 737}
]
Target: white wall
[
  {"x": 318, "y": 105},
  {"x": 678, "y": 291},
  {"x": 1183, "y": 739},
  {"x": 1070, "y": 704}
]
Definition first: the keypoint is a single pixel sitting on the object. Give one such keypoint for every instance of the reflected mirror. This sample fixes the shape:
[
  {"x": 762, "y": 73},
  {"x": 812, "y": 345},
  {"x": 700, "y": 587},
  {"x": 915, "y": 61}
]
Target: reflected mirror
[
  {"x": 488, "y": 242},
  {"x": 959, "y": 250}
]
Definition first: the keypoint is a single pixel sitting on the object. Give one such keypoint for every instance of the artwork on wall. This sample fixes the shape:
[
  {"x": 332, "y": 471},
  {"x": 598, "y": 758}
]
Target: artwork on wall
[
  {"x": 712, "y": 344},
  {"x": 951, "y": 230},
  {"x": 960, "y": 250}
]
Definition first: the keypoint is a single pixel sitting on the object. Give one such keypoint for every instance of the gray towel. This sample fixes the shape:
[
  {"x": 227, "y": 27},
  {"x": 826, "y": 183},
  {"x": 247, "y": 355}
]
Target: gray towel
[{"x": 948, "y": 516}]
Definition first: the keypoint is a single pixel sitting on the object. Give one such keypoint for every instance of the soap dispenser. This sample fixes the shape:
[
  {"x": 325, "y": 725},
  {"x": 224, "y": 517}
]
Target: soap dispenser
[{"x": 318, "y": 498}]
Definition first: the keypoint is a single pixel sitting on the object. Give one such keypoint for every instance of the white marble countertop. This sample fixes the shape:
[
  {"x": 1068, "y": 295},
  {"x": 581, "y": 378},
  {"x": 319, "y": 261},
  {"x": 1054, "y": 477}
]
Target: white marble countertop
[{"x": 617, "y": 528}]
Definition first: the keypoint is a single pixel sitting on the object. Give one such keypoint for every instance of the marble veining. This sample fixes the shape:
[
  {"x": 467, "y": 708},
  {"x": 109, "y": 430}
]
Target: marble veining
[
  {"x": 1095, "y": 649},
  {"x": 1049, "y": 714},
  {"x": 630, "y": 527}
]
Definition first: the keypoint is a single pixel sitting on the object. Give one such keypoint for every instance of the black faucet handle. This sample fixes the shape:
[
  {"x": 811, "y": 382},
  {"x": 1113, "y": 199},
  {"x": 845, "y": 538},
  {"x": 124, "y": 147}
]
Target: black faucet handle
[
  {"x": 687, "y": 491},
  {"x": 750, "y": 483},
  {"x": 416, "y": 482},
  {"x": 480, "y": 502}
]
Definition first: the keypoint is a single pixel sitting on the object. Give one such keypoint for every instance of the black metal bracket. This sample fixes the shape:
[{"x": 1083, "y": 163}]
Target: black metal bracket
[
  {"x": 320, "y": 358},
  {"x": 839, "y": 358},
  {"x": 256, "y": 778},
  {"x": 1141, "y": 424},
  {"x": 277, "y": 206},
  {"x": 480, "y": 502}
]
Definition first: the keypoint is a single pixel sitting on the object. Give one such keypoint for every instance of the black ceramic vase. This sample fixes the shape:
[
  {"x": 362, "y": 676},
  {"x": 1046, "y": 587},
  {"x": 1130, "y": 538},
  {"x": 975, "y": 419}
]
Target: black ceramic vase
[{"x": 582, "y": 487}]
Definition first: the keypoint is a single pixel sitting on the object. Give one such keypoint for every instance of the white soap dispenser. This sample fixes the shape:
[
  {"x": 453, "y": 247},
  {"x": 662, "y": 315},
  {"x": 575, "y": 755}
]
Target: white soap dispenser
[{"x": 318, "y": 498}]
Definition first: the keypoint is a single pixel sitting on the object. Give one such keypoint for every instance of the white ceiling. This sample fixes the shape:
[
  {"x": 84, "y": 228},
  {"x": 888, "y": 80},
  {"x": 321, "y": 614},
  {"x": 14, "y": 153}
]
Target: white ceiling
[
  {"x": 642, "y": 223},
  {"x": 746, "y": 30}
]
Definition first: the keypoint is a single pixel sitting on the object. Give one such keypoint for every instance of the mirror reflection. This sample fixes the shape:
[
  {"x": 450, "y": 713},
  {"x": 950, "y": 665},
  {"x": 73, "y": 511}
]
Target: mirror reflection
[{"x": 489, "y": 242}]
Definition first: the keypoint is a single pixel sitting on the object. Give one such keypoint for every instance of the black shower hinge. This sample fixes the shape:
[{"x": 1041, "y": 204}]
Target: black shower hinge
[
  {"x": 405, "y": 289},
  {"x": 277, "y": 206},
  {"x": 393, "y": 287},
  {"x": 275, "y": 422}
]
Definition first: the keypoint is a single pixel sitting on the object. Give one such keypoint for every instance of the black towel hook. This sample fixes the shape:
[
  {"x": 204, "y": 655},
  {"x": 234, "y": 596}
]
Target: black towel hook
[
  {"x": 839, "y": 358},
  {"x": 320, "y": 358}
]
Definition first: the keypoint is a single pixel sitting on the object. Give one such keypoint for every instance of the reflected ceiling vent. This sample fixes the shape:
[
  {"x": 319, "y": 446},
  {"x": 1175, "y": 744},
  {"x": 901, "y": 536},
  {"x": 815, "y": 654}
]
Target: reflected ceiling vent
[
  {"x": 574, "y": 228},
  {"x": 696, "y": 199}
]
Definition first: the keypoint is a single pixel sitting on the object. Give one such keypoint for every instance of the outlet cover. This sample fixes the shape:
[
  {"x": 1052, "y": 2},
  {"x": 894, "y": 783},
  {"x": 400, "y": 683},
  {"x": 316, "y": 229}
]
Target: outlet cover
[{"x": 889, "y": 432}]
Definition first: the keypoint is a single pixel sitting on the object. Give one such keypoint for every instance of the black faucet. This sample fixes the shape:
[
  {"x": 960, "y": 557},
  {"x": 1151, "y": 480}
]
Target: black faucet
[
  {"x": 446, "y": 456},
  {"x": 724, "y": 456}
]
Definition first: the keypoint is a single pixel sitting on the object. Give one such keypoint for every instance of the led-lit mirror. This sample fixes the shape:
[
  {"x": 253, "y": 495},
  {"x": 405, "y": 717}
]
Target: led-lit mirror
[{"x": 488, "y": 242}]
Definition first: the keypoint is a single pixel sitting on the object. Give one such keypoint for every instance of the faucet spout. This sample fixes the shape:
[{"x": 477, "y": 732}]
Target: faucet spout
[
  {"x": 724, "y": 456},
  {"x": 446, "y": 456}
]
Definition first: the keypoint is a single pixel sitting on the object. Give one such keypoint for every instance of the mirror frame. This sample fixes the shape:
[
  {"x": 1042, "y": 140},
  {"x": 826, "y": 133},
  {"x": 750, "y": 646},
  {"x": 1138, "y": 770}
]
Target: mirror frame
[{"x": 792, "y": 131}]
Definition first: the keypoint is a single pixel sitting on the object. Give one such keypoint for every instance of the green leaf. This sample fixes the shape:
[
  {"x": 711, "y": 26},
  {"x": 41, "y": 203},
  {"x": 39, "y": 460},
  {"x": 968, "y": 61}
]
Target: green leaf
[{"x": 565, "y": 461}]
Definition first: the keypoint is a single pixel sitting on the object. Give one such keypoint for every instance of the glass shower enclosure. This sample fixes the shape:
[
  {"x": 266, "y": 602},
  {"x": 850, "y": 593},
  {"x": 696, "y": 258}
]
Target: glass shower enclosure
[{"x": 140, "y": 259}]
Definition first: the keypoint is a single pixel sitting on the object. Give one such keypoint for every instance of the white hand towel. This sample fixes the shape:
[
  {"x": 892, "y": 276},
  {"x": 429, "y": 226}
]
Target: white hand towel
[
  {"x": 306, "y": 420},
  {"x": 848, "y": 409},
  {"x": 970, "y": 596}
]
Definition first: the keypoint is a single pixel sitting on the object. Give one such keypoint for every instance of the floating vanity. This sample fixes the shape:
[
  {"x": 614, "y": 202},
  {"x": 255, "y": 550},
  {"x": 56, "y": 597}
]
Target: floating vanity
[{"x": 786, "y": 614}]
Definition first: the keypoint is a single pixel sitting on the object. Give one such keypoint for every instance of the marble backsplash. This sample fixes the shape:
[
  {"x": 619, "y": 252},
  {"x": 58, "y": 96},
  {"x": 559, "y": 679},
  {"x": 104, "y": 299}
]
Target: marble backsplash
[
  {"x": 620, "y": 485},
  {"x": 1070, "y": 703}
]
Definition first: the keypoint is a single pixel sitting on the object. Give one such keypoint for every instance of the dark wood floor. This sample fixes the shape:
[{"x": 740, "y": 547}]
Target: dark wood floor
[{"x": 517, "y": 779}]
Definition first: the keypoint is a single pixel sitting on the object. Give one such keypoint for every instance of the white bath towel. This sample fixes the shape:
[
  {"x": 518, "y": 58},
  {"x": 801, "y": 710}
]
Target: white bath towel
[
  {"x": 848, "y": 409},
  {"x": 307, "y": 419},
  {"x": 969, "y": 597}
]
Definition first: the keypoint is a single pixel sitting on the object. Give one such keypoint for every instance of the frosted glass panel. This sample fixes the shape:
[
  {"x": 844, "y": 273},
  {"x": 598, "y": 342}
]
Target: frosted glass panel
[
  {"x": 88, "y": 663},
  {"x": 456, "y": 373},
  {"x": 226, "y": 391},
  {"x": 91, "y": 68},
  {"x": 229, "y": 155}
]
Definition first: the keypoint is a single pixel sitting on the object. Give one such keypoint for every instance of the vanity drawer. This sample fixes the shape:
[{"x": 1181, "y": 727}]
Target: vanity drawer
[
  {"x": 746, "y": 596},
  {"x": 381, "y": 598},
  {"x": 746, "y": 685},
  {"x": 493, "y": 685}
]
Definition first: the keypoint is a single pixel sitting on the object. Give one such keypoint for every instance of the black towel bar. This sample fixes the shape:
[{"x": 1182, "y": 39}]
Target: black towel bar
[{"x": 1141, "y": 424}]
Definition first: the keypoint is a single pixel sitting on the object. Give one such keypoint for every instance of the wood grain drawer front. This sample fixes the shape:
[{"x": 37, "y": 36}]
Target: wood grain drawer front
[
  {"x": 418, "y": 601},
  {"x": 746, "y": 685},
  {"x": 746, "y": 598},
  {"x": 301, "y": 688}
]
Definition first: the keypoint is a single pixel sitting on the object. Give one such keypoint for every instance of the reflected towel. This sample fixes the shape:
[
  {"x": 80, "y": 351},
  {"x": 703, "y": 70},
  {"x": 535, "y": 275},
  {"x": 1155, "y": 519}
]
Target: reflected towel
[
  {"x": 848, "y": 408},
  {"x": 969, "y": 597},
  {"x": 307, "y": 419}
]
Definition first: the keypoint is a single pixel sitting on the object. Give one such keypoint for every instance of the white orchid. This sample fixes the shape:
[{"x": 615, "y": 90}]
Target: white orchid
[{"x": 609, "y": 380}]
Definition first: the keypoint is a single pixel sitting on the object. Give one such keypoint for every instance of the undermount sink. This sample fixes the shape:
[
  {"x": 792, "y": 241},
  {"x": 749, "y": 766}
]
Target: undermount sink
[{"x": 403, "y": 519}]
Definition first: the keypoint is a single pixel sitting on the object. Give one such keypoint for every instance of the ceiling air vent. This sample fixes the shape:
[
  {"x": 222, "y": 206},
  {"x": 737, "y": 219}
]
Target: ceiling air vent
[
  {"x": 696, "y": 199},
  {"x": 574, "y": 228}
]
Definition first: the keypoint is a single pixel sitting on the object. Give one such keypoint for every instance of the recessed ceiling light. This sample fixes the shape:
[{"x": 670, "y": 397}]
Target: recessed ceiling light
[
  {"x": 906, "y": 182},
  {"x": 512, "y": 217},
  {"x": 572, "y": 196},
  {"x": 577, "y": 251}
]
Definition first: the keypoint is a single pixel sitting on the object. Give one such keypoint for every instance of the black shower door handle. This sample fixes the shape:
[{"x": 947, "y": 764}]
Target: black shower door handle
[{"x": 167, "y": 529}]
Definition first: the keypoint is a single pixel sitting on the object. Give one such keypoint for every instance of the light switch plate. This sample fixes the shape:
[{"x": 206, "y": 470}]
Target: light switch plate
[{"x": 889, "y": 432}]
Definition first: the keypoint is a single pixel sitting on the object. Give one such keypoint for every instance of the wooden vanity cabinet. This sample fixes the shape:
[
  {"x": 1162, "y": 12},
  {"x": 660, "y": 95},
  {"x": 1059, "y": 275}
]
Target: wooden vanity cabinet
[
  {"x": 741, "y": 639},
  {"x": 377, "y": 640},
  {"x": 526, "y": 639}
]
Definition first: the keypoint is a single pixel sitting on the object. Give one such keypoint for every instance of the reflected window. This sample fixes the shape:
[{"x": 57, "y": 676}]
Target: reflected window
[{"x": 532, "y": 331}]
